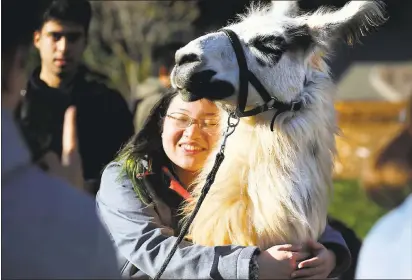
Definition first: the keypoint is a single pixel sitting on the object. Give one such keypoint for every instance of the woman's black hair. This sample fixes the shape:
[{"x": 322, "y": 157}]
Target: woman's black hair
[{"x": 146, "y": 145}]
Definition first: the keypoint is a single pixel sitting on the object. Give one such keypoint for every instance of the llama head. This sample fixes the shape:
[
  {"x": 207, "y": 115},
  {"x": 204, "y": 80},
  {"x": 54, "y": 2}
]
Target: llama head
[{"x": 280, "y": 46}]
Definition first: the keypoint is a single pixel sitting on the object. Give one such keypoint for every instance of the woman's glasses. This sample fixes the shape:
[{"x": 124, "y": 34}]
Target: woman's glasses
[{"x": 181, "y": 120}]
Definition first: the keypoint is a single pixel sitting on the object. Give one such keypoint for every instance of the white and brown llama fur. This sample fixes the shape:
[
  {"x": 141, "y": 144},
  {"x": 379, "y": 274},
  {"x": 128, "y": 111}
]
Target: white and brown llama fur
[{"x": 275, "y": 187}]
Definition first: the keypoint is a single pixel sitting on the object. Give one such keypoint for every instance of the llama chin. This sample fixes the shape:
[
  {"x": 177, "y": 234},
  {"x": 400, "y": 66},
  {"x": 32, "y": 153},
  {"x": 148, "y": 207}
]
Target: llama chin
[{"x": 273, "y": 187}]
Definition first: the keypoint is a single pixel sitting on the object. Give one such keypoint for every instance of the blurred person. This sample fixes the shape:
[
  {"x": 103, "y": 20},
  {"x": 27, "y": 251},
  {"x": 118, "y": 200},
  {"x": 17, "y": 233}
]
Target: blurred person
[
  {"x": 142, "y": 190},
  {"x": 49, "y": 229},
  {"x": 148, "y": 94},
  {"x": 387, "y": 178},
  {"x": 104, "y": 121},
  {"x": 386, "y": 252}
]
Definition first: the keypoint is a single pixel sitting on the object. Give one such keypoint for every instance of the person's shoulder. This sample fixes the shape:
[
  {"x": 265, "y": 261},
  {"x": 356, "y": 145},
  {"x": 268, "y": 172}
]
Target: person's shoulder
[
  {"x": 387, "y": 238},
  {"x": 389, "y": 227},
  {"x": 111, "y": 100},
  {"x": 96, "y": 83},
  {"x": 50, "y": 208},
  {"x": 69, "y": 202},
  {"x": 102, "y": 90},
  {"x": 116, "y": 188},
  {"x": 42, "y": 213},
  {"x": 115, "y": 173},
  {"x": 114, "y": 178},
  {"x": 116, "y": 168},
  {"x": 118, "y": 185}
]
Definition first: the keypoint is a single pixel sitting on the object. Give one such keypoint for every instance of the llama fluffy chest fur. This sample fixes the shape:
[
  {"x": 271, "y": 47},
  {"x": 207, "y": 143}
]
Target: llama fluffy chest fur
[{"x": 273, "y": 187}]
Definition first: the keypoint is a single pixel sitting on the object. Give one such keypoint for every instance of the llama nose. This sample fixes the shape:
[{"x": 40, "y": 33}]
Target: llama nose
[{"x": 186, "y": 58}]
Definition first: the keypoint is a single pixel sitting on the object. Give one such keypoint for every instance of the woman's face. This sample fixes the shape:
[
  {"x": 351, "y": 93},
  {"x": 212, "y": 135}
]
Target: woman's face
[{"x": 190, "y": 131}]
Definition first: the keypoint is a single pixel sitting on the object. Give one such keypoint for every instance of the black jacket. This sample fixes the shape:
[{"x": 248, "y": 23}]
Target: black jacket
[{"x": 104, "y": 122}]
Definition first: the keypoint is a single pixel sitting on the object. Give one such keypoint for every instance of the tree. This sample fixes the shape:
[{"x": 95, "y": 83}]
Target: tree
[{"x": 125, "y": 34}]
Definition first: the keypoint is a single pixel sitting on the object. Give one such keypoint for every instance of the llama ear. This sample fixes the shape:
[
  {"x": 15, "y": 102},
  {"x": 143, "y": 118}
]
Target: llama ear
[
  {"x": 350, "y": 22},
  {"x": 284, "y": 8}
]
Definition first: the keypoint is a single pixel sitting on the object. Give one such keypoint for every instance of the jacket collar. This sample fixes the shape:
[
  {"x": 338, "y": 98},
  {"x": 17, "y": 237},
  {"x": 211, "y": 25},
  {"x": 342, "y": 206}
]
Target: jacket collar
[
  {"x": 168, "y": 176},
  {"x": 176, "y": 185},
  {"x": 38, "y": 84},
  {"x": 14, "y": 152}
]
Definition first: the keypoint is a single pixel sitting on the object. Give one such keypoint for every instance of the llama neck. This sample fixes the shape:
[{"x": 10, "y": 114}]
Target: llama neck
[
  {"x": 273, "y": 187},
  {"x": 292, "y": 166},
  {"x": 283, "y": 175}
]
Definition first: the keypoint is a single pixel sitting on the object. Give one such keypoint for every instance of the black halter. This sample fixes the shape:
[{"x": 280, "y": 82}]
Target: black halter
[{"x": 246, "y": 76}]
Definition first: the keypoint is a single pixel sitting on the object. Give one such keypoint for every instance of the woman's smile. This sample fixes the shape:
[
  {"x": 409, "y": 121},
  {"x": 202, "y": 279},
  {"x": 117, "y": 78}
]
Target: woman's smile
[{"x": 191, "y": 148}]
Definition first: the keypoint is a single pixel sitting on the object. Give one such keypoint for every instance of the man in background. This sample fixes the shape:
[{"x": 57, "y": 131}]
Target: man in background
[
  {"x": 104, "y": 122},
  {"x": 50, "y": 230}
]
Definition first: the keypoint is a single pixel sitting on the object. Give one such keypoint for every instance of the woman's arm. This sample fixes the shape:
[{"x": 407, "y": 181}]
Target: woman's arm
[
  {"x": 333, "y": 240},
  {"x": 330, "y": 258},
  {"x": 140, "y": 237}
]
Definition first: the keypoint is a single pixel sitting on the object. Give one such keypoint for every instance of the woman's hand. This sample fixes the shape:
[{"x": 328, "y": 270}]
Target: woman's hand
[
  {"x": 318, "y": 267},
  {"x": 278, "y": 262},
  {"x": 70, "y": 166}
]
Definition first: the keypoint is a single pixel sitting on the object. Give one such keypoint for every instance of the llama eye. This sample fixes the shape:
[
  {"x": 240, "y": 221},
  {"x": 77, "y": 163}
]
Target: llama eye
[{"x": 270, "y": 46}]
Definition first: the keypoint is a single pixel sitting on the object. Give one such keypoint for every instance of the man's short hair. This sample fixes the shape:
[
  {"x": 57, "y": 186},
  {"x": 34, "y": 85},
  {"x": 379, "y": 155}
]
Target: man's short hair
[{"x": 72, "y": 11}]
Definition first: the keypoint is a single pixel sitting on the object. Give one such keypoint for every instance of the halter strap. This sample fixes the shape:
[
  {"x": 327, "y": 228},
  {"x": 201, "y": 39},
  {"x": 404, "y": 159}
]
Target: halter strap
[{"x": 246, "y": 76}]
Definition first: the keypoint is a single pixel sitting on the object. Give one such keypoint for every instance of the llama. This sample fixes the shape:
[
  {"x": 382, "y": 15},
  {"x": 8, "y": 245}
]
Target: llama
[{"x": 273, "y": 187}]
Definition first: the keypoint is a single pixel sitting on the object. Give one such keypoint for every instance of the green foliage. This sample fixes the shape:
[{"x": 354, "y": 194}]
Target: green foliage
[{"x": 352, "y": 206}]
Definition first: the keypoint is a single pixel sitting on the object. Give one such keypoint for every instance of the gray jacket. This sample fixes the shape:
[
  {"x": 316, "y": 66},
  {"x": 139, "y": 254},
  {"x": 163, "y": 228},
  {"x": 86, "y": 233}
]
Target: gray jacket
[
  {"x": 145, "y": 234},
  {"x": 50, "y": 230}
]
